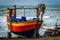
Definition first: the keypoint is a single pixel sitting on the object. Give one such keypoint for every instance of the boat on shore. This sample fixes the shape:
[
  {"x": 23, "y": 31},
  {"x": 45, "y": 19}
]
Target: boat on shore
[{"x": 22, "y": 26}]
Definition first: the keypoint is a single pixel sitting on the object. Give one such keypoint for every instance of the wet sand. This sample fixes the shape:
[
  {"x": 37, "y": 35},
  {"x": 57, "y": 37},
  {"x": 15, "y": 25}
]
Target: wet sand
[{"x": 48, "y": 38}]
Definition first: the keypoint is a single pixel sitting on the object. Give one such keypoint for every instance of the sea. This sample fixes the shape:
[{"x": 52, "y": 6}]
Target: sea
[{"x": 51, "y": 16}]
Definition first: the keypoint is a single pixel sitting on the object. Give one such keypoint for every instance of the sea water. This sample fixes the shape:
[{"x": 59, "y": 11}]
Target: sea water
[{"x": 52, "y": 14}]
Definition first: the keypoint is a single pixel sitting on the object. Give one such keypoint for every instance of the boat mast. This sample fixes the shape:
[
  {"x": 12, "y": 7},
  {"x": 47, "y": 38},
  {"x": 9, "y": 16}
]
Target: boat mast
[
  {"x": 15, "y": 11},
  {"x": 9, "y": 33},
  {"x": 24, "y": 12},
  {"x": 42, "y": 8}
]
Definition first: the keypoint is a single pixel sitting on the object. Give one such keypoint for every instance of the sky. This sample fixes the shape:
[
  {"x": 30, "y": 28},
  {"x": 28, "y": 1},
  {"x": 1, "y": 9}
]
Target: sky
[{"x": 29, "y": 2}]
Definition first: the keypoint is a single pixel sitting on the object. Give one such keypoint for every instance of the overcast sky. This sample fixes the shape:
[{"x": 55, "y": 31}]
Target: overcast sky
[{"x": 29, "y": 2}]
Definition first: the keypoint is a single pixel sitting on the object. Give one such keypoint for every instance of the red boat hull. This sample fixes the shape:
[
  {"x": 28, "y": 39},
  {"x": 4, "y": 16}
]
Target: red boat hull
[
  {"x": 22, "y": 29},
  {"x": 24, "y": 26},
  {"x": 26, "y": 29}
]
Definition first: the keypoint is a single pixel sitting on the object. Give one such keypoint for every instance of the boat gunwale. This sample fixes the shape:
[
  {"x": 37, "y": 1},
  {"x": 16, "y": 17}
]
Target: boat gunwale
[{"x": 26, "y": 23}]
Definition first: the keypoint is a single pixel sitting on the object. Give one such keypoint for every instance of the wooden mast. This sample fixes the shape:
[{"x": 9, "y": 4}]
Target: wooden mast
[{"x": 40, "y": 8}]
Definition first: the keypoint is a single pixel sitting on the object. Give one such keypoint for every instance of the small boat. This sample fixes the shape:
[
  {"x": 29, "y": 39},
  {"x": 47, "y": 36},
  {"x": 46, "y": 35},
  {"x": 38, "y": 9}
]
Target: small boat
[
  {"x": 24, "y": 28},
  {"x": 21, "y": 26}
]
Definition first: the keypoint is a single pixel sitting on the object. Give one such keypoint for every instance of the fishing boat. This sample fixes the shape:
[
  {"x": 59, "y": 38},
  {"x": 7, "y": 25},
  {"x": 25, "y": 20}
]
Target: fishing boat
[{"x": 22, "y": 26}]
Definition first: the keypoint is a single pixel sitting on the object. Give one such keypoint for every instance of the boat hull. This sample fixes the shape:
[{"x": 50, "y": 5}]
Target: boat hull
[
  {"x": 28, "y": 34},
  {"x": 26, "y": 29}
]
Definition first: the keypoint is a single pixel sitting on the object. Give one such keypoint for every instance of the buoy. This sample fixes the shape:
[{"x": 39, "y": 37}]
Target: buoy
[
  {"x": 13, "y": 12},
  {"x": 7, "y": 13},
  {"x": 38, "y": 11}
]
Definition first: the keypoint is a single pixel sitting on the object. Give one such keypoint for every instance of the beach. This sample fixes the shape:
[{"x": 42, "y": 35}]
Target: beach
[{"x": 52, "y": 13}]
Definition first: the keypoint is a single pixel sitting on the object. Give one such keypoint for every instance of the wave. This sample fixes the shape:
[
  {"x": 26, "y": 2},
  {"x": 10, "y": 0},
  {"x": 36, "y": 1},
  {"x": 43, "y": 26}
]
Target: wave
[{"x": 52, "y": 9}]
